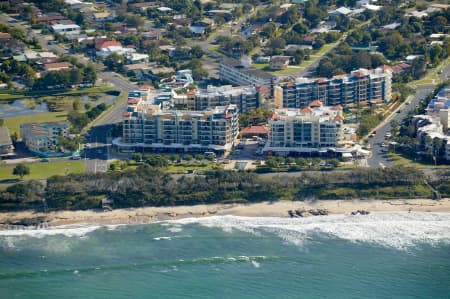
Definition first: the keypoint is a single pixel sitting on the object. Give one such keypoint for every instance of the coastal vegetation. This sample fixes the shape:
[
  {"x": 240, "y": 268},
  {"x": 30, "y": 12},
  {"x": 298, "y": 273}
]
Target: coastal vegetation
[{"x": 152, "y": 186}]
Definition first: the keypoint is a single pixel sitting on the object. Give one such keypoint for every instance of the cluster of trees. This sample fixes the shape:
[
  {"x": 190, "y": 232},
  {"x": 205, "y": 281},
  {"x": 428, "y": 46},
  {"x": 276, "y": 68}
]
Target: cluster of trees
[
  {"x": 254, "y": 117},
  {"x": 150, "y": 186},
  {"x": 237, "y": 46},
  {"x": 368, "y": 120},
  {"x": 66, "y": 78},
  {"x": 343, "y": 60},
  {"x": 79, "y": 120}
]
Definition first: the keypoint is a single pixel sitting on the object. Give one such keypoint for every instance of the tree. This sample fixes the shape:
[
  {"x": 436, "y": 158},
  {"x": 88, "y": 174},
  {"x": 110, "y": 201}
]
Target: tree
[
  {"x": 277, "y": 43},
  {"x": 115, "y": 62},
  {"x": 21, "y": 170},
  {"x": 196, "y": 52},
  {"x": 137, "y": 157},
  {"x": 90, "y": 74},
  {"x": 76, "y": 105}
]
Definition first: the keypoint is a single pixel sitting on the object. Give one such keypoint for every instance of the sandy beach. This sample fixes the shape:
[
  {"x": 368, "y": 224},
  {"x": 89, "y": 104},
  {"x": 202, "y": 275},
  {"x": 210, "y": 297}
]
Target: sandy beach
[{"x": 265, "y": 209}]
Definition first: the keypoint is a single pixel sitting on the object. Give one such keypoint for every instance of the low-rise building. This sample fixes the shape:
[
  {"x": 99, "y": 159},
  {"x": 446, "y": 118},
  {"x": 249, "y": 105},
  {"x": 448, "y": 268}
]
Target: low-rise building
[
  {"x": 433, "y": 136},
  {"x": 279, "y": 62},
  {"x": 234, "y": 72},
  {"x": 66, "y": 28},
  {"x": 6, "y": 144},
  {"x": 43, "y": 138},
  {"x": 148, "y": 126},
  {"x": 433, "y": 129},
  {"x": 314, "y": 129},
  {"x": 57, "y": 66}
]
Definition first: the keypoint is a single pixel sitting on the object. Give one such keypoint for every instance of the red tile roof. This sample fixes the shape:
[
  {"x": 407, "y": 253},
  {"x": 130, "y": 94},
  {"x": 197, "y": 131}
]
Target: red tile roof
[
  {"x": 133, "y": 100},
  {"x": 57, "y": 65},
  {"x": 145, "y": 87},
  {"x": 315, "y": 103},
  {"x": 262, "y": 88},
  {"x": 306, "y": 110},
  {"x": 5, "y": 35},
  {"x": 110, "y": 44},
  {"x": 255, "y": 130}
]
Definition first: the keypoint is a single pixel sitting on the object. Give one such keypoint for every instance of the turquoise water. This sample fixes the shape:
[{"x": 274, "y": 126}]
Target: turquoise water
[{"x": 377, "y": 256}]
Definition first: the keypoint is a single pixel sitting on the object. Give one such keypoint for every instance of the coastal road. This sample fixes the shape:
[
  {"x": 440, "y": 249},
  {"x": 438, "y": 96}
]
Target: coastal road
[{"x": 380, "y": 158}]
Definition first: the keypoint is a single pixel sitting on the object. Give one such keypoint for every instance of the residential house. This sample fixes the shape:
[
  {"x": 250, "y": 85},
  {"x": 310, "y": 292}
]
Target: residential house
[
  {"x": 66, "y": 28},
  {"x": 279, "y": 62},
  {"x": 145, "y": 5},
  {"x": 4, "y": 36},
  {"x": 47, "y": 19},
  {"x": 103, "y": 17},
  {"x": 57, "y": 66}
]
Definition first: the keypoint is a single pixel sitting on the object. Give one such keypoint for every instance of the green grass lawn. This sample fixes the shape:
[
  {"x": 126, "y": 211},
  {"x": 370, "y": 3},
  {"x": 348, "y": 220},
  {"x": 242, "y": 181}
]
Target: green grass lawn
[
  {"x": 398, "y": 160},
  {"x": 13, "y": 123},
  {"x": 325, "y": 49},
  {"x": 44, "y": 170},
  {"x": 11, "y": 94},
  {"x": 288, "y": 71}
]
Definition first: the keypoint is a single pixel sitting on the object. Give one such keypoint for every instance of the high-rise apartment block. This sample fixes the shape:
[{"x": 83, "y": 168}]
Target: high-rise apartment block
[
  {"x": 359, "y": 87},
  {"x": 244, "y": 97},
  {"x": 147, "y": 126},
  {"x": 315, "y": 128}
]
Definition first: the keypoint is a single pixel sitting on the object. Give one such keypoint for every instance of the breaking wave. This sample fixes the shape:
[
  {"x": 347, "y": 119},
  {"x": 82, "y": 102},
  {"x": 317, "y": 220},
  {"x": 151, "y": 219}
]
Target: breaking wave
[{"x": 396, "y": 230}]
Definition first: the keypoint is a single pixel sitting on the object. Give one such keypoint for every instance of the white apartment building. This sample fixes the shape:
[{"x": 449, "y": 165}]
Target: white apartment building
[
  {"x": 359, "y": 87},
  {"x": 43, "y": 138},
  {"x": 147, "y": 126},
  {"x": 244, "y": 97},
  {"x": 234, "y": 72},
  {"x": 314, "y": 129}
]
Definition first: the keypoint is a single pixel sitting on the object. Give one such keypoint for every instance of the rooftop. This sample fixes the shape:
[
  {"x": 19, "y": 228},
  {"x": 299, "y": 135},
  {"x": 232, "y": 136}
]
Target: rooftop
[{"x": 5, "y": 139}]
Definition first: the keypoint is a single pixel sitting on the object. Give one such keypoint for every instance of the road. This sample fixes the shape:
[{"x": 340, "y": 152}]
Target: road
[
  {"x": 97, "y": 155},
  {"x": 379, "y": 158}
]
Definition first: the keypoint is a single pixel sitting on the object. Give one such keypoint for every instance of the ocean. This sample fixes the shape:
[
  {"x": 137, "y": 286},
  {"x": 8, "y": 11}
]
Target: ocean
[{"x": 382, "y": 255}]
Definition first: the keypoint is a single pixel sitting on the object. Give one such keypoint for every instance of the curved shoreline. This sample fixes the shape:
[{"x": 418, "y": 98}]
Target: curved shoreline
[{"x": 264, "y": 209}]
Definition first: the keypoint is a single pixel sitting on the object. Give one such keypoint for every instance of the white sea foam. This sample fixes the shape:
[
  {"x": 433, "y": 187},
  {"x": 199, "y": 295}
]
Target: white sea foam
[
  {"x": 175, "y": 229},
  {"x": 397, "y": 230},
  {"x": 256, "y": 264},
  {"x": 67, "y": 230},
  {"x": 162, "y": 238}
]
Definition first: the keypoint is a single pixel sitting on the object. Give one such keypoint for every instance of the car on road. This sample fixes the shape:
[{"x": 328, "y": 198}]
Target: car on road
[
  {"x": 45, "y": 160},
  {"x": 87, "y": 145},
  {"x": 383, "y": 144}
]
